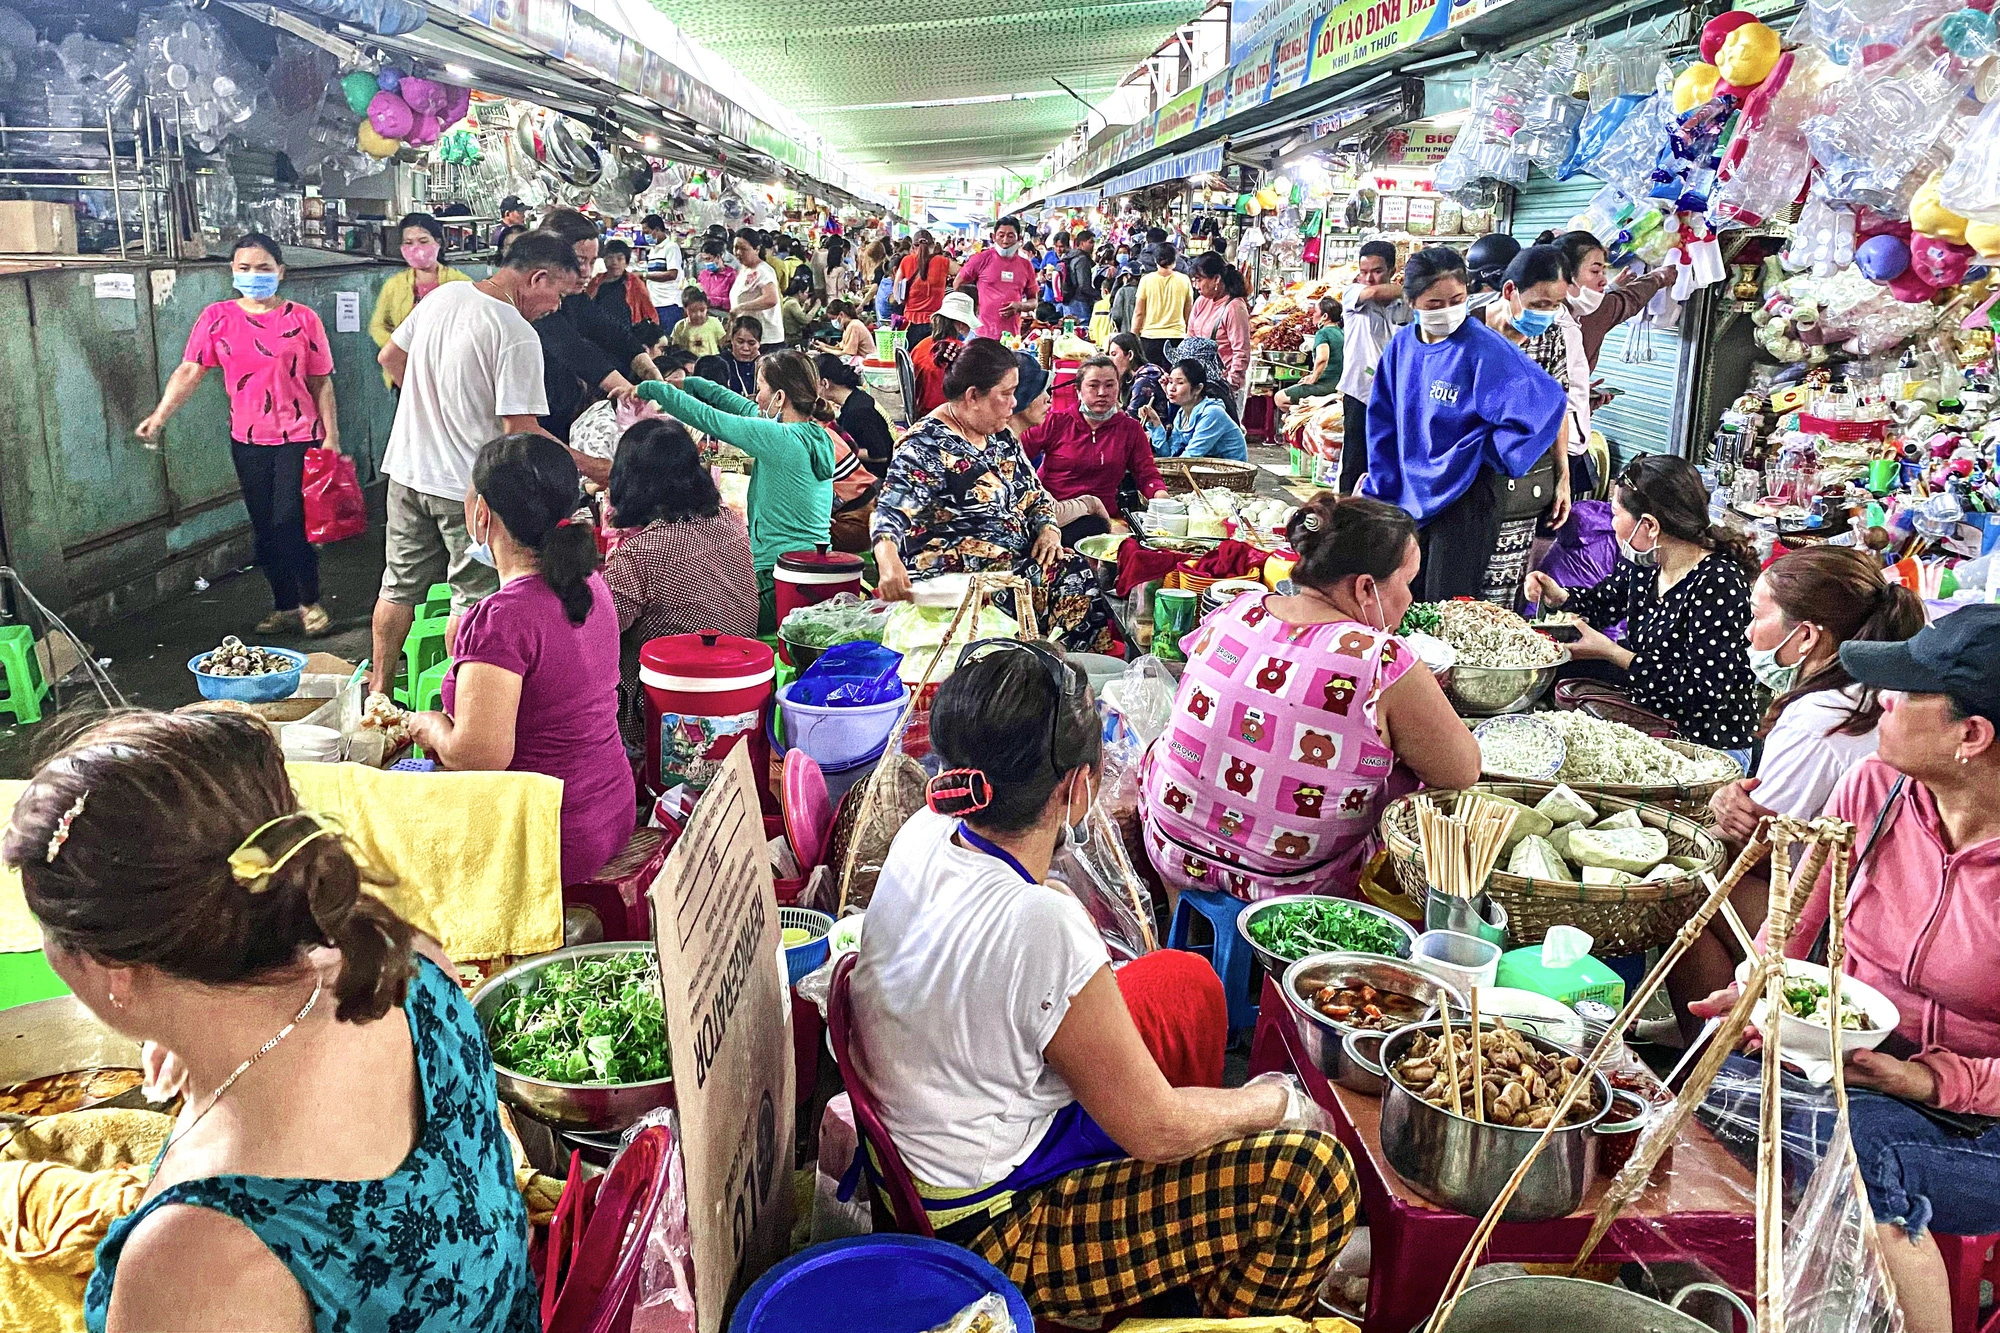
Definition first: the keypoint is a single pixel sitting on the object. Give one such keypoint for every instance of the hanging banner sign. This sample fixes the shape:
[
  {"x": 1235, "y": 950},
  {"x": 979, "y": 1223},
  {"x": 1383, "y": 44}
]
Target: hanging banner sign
[
  {"x": 1250, "y": 83},
  {"x": 1358, "y": 31},
  {"x": 1214, "y": 101},
  {"x": 1291, "y": 56},
  {"x": 1177, "y": 117},
  {"x": 1421, "y": 143}
]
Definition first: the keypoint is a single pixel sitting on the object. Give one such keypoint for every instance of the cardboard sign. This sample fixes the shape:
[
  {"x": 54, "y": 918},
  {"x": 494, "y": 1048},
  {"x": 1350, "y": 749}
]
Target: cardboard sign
[{"x": 729, "y": 1023}]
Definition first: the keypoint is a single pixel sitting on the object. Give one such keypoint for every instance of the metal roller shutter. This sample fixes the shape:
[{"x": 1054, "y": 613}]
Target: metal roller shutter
[{"x": 1642, "y": 419}]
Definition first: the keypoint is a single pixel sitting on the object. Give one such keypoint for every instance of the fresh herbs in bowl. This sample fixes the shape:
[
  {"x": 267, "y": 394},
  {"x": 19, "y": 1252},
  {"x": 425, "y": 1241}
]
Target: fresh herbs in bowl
[
  {"x": 593, "y": 1020},
  {"x": 1293, "y": 930}
]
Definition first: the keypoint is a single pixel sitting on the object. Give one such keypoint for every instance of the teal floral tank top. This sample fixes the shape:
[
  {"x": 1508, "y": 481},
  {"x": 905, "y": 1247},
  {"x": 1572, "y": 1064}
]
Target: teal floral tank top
[{"x": 440, "y": 1245}]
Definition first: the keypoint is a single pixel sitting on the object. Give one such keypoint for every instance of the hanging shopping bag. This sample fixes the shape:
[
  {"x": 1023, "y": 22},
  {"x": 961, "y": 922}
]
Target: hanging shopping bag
[{"x": 334, "y": 510}]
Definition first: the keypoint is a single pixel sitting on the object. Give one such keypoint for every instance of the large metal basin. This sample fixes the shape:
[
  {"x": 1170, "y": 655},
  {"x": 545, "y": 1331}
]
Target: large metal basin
[
  {"x": 1477, "y": 691},
  {"x": 1275, "y": 964},
  {"x": 56, "y": 1036},
  {"x": 1542, "y": 1304},
  {"x": 576, "y": 1106}
]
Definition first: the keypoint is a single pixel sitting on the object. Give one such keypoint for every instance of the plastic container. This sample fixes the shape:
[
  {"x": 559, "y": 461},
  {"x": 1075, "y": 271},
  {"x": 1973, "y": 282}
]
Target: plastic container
[
  {"x": 840, "y": 737},
  {"x": 1463, "y": 960},
  {"x": 306, "y": 743},
  {"x": 703, "y": 692},
  {"x": 27, "y": 977},
  {"x": 803, "y": 578},
  {"x": 806, "y": 955},
  {"x": 251, "y": 689},
  {"x": 872, "y": 1284}
]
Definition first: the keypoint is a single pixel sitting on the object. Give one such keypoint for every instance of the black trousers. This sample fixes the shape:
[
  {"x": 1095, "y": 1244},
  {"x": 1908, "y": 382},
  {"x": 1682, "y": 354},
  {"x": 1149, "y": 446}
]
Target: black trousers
[
  {"x": 272, "y": 477},
  {"x": 1582, "y": 477},
  {"x": 1458, "y": 543},
  {"x": 1155, "y": 350},
  {"x": 916, "y": 333},
  {"x": 1353, "y": 442},
  {"x": 1090, "y": 525}
]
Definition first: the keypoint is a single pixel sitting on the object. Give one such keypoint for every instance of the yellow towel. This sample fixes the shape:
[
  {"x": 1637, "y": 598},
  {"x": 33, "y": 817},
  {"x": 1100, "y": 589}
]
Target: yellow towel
[{"x": 478, "y": 856}]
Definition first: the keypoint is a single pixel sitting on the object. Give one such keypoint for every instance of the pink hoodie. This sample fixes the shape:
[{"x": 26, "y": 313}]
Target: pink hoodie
[{"x": 1922, "y": 925}]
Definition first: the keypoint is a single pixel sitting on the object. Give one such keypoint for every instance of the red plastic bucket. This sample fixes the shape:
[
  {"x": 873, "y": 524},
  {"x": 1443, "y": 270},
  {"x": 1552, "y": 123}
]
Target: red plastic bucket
[
  {"x": 703, "y": 692},
  {"x": 806, "y": 577}
]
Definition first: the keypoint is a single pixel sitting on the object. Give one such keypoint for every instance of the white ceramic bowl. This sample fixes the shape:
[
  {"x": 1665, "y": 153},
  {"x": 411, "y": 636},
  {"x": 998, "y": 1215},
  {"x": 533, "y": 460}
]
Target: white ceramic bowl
[
  {"x": 1528, "y": 1009},
  {"x": 1810, "y": 1040}
]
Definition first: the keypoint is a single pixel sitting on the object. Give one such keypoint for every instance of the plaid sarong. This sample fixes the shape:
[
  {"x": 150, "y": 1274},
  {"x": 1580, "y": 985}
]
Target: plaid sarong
[{"x": 1252, "y": 1225}]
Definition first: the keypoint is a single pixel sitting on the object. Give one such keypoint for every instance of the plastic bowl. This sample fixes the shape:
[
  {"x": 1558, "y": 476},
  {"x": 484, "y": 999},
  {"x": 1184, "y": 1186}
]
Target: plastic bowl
[
  {"x": 802, "y": 958},
  {"x": 838, "y": 738},
  {"x": 251, "y": 689},
  {"x": 1809, "y": 1039}
]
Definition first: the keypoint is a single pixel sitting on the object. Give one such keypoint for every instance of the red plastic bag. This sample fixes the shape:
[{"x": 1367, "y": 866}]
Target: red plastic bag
[{"x": 334, "y": 510}]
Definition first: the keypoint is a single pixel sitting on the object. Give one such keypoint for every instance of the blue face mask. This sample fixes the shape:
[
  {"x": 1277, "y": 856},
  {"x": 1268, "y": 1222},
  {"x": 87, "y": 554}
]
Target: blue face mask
[
  {"x": 482, "y": 551},
  {"x": 256, "y": 286},
  {"x": 1534, "y": 323}
]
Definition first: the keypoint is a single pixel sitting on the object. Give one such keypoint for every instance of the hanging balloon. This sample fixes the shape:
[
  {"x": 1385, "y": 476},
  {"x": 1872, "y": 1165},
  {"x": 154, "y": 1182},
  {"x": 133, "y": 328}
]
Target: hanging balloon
[
  {"x": 1939, "y": 262},
  {"x": 427, "y": 128},
  {"x": 390, "y": 115},
  {"x": 359, "y": 88},
  {"x": 389, "y": 76},
  {"x": 457, "y": 103},
  {"x": 1694, "y": 86},
  {"x": 1882, "y": 258},
  {"x": 1911, "y": 289},
  {"x": 423, "y": 95},
  {"x": 373, "y": 144}
]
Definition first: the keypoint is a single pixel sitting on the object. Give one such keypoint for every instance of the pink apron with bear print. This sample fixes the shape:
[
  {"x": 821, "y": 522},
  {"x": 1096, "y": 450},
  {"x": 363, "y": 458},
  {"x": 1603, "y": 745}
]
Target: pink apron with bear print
[{"x": 1273, "y": 775}]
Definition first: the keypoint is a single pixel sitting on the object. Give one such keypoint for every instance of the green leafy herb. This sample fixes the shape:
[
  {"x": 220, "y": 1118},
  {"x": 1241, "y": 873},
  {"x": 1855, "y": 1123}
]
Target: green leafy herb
[
  {"x": 1293, "y": 930},
  {"x": 1421, "y": 618},
  {"x": 593, "y": 1020}
]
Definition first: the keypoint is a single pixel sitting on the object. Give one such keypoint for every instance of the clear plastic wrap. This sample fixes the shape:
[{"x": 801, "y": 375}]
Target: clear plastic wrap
[
  {"x": 845, "y": 618},
  {"x": 1971, "y": 184},
  {"x": 988, "y": 1314},
  {"x": 1098, "y": 872},
  {"x": 666, "y": 1273},
  {"x": 185, "y": 54}
]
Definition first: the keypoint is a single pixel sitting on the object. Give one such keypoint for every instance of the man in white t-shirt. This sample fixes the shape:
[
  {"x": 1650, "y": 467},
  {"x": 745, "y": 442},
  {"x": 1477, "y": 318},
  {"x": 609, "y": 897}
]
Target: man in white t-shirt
[
  {"x": 469, "y": 367},
  {"x": 1372, "y": 309},
  {"x": 663, "y": 271}
]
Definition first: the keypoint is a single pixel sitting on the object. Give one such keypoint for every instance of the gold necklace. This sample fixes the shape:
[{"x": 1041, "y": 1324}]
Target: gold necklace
[{"x": 240, "y": 1071}]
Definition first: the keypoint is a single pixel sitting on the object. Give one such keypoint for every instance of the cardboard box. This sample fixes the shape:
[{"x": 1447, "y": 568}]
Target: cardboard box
[{"x": 34, "y": 227}]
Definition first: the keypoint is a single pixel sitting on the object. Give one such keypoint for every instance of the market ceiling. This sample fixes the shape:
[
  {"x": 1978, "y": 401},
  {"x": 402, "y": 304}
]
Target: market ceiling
[{"x": 854, "y": 71}]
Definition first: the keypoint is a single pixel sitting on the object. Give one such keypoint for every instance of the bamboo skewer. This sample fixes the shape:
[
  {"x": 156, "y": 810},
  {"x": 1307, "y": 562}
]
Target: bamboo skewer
[
  {"x": 1461, "y": 849},
  {"x": 1451, "y": 1060},
  {"x": 1478, "y": 1090}
]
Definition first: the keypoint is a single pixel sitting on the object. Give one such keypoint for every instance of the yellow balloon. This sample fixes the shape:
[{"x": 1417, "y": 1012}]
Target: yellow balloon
[
  {"x": 1985, "y": 238},
  {"x": 1748, "y": 55},
  {"x": 373, "y": 143},
  {"x": 1929, "y": 216},
  {"x": 1695, "y": 86}
]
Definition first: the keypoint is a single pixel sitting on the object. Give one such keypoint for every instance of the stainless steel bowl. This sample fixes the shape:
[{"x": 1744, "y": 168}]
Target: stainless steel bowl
[
  {"x": 1537, "y": 1304},
  {"x": 574, "y": 1106},
  {"x": 1462, "y": 1163},
  {"x": 1322, "y": 1036},
  {"x": 57, "y": 1036},
  {"x": 1275, "y": 964},
  {"x": 1477, "y": 691}
]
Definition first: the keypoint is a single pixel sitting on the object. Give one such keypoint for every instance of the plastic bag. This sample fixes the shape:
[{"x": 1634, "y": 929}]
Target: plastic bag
[
  {"x": 1301, "y": 1111},
  {"x": 1098, "y": 873},
  {"x": 852, "y": 675},
  {"x": 988, "y": 1314},
  {"x": 666, "y": 1273},
  {"x": 335, "y": 510},
  {"x": 917, "y": 632},
  {"x": 844, "y": 618}
]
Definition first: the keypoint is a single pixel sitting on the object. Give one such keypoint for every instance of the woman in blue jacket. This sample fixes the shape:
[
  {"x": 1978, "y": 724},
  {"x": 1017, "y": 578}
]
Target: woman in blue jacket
[
  {"x": 1202, "y": 426},
  {"x": 1454, "y": 407}
]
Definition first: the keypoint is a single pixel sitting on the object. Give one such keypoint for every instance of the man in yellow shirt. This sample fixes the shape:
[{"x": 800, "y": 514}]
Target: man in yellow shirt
[
  {"x": 1165, "y": 297},
  {"x": 698, "y": 332}
]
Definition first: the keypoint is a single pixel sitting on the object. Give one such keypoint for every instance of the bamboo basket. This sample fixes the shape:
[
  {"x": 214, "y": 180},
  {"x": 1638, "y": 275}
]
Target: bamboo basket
[
  {"x": 1689, "y": 800},
  {"x": 1621, "y": 918},
  {"x": 1208, "y": 473}
]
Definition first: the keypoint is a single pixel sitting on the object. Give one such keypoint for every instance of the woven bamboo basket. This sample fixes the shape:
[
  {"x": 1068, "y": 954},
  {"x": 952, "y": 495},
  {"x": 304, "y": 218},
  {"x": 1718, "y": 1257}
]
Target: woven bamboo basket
[
  {"x": 1621, "y": 918},
  {"x": 1209, "y": 473},
  {"x": 1686, "y": 799}
]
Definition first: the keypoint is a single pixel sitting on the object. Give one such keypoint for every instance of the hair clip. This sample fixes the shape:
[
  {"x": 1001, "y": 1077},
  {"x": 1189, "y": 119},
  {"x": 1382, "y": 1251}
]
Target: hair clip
[
  {"x": 61, "y": 835},
  {"x": 967, "y": 788},
  {"x": 1310, "y": 522},
  {"x": 251, "y": 866}
]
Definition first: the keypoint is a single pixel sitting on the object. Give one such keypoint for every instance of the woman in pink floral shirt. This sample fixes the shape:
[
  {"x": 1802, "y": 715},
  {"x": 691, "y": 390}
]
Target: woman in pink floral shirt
[
  {"x": 277, "y": 369},
  {"x": 1296, "y": 715}
]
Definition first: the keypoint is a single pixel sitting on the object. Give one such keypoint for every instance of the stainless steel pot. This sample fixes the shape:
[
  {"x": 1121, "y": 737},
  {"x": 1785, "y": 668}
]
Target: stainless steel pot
[
  {"x": 1275, "y": 964},
  {"x": 1538, "y": 1304},
  {"x": 1462, "y": 1163},
  {"x": 57, "y": 1036},
  {"x": 572, "y": 1106},
  {"x": 1322, "y": 1036}
]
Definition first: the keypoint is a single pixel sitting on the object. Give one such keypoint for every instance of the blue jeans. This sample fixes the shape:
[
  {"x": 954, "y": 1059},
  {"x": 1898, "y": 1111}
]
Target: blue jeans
[
  {"x": 669, "y": 315},
  {"x": 1920, "y": 1175}
]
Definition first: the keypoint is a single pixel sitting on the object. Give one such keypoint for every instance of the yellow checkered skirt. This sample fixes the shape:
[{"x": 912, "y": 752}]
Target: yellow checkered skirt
[{"x": 1252, "y": 1225}]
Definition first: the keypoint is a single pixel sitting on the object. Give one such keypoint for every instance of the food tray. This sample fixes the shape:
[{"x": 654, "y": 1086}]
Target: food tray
[
  {"x": 1688, "y": 800},
  {"x": 1621, "y": 918},
  {"x": 1528, "y": 722}
]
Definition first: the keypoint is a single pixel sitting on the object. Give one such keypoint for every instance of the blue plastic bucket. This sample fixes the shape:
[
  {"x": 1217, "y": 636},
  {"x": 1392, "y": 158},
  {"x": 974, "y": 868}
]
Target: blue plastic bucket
[
  {"x": 251, "y": 689},
  {"x": 869, "y": 1284},
  {"x": 838, "y": 738}
]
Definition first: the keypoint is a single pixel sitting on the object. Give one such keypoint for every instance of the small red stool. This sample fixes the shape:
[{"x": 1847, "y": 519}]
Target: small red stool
[
  {"x": 1969, "y": 1261},
  {"x": 617, "y": 893}
]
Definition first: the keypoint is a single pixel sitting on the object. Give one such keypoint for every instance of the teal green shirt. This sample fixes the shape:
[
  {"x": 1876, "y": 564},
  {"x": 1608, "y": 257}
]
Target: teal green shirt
[{"x": 791, "y": 486}]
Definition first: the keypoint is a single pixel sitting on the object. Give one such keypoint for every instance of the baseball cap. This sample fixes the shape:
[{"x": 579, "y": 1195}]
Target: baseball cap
[
  {"x": 512, "y": 204},
  {"x": 1958, "y": 655},
  {"x": 1034, "y": 381}
]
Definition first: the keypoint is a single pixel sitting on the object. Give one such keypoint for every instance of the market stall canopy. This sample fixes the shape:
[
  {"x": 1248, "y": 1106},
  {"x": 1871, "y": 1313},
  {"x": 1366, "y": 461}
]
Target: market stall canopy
[{"x": 937, "y": 85}]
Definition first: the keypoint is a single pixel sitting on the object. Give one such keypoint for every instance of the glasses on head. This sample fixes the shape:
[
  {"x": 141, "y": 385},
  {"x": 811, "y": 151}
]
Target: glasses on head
[{"x": 1065, "y": 675}]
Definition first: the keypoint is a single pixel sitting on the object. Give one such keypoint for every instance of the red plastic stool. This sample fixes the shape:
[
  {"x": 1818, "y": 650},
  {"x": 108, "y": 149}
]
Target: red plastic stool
[
  {"x": 1969, "y": 1261},
  {"x": 617, "y": 893}
]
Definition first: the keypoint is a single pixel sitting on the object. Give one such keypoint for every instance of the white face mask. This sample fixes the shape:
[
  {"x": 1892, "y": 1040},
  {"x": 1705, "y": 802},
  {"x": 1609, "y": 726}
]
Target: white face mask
[
  {"x": 1007, "y": 251},
  {"x": 1076, "y": 835},
  {"x": 1586, "y": 300},
  {"x": 1442, "y": 323},
  {"x": 1645, "y": 559}
]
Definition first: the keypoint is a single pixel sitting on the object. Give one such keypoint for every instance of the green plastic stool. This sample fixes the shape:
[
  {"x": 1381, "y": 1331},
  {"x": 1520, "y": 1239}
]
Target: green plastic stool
[
  {"x": 424, "y": 649},
  {"x": 430, "y": 688},
  {"x": 21, "y": 674},
  {"x": 437, "y": 602}
]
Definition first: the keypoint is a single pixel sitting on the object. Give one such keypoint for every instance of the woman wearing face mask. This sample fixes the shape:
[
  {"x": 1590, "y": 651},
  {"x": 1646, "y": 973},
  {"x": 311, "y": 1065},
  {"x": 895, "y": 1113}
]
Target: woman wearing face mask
[
  {"x": 1530, "y": 315},
  {"x": 790, "y": 503},
  {"x": 755, "y": 292},
  {"x": 1452, "y": 409},
  {"x": 279, "y": 407},
  {"x": 1037, "y": 1095},
  {"x": 1599, "y": 305},
  {"x": 533, "y": 686},
  {"x": 1299, "y": 717},
  {"x": 423, "y": 238},
  {"x": 1683, "y": 589},
  {"x": 1819, "y": 726},
  {"x": 715, "y": 274}
]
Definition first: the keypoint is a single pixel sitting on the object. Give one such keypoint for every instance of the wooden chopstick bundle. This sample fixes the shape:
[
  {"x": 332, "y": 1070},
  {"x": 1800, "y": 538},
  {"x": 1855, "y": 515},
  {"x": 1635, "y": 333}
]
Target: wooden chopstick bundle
[{"x": 1460, "y": 849}]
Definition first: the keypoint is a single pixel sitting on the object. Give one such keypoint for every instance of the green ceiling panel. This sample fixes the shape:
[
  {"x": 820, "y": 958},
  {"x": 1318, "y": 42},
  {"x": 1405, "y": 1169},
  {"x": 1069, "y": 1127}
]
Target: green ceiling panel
[{"x": 819, "y": 58}]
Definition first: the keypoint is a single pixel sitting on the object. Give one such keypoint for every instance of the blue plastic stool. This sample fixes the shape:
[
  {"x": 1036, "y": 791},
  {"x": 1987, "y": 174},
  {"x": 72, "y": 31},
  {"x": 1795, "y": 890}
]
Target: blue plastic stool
[{"x": 1227, "y": 951}]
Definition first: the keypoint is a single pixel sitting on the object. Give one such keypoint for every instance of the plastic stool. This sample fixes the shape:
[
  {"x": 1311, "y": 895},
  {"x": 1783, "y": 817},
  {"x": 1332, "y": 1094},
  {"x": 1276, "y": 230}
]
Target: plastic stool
[
  {"x": 1226, "y": 951},
  {"x": 1968, "y": 1262},
  {"x": 437, "y": 603},
  {"x": 424, "y": 649},
  {"x": 430, "y": 688},
  {"x": 21, "y": 673}
]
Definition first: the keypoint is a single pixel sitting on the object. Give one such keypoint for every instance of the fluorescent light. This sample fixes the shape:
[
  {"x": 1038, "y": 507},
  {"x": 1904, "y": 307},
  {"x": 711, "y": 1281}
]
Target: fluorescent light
[
  {"x": 458, "y": 71},
  {"x": 637, "y": 100},
  {"x": 651, "y": 143}
]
